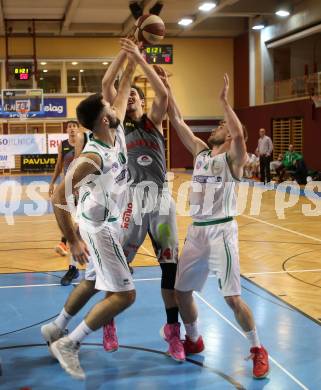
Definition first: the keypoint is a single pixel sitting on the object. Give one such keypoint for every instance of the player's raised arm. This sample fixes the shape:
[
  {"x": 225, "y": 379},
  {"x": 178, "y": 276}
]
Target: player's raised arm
[
  {"x": 159, "y": 106},
  {"x": 185, "y": 134},
  {"x": 85, "y": 167},
  {"x": 108, "y": 82},
  {"x": 120, "y": 102},
  {"x": 237, "y": 151}
]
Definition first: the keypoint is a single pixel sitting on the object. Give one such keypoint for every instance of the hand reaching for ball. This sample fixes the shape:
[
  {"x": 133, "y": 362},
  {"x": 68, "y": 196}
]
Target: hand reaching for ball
[{"x": 131, "y": 49}]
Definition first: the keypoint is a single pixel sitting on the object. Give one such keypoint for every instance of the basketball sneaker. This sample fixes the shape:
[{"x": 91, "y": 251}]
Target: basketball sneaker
[
  {"x": 61, "y": 249},
  {"x": 171, "y": 334},
  {"x": 191, "y": 347},
  {"x": 66, "y": 352},
  {"x": 260, "y": 359},
  {"x": 71, "y": 274},
  {"x": 51, "y": 333},
  {"x": 110, "y": 340}
]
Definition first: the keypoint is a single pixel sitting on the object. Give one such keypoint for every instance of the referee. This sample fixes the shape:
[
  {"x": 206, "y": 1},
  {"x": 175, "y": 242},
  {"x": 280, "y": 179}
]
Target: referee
[{"x": 264, "y": 151}]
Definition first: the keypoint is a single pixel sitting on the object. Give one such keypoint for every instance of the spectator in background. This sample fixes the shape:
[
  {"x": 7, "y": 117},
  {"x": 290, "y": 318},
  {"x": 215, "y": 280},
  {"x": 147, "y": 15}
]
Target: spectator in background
[
  {"x": 264, "y": 151},
  {"x": 274, "y": 165},
  {"x": 288, "y": 162}
]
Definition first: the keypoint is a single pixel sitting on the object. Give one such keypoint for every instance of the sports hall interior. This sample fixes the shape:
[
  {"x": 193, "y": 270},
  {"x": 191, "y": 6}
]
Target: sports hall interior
[{"x": 275, "y": 84}]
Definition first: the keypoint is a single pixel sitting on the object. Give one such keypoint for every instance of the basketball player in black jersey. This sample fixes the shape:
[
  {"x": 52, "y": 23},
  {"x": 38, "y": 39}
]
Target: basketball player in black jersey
[
  {"x": 66, "y": 153},
  {"x": 143, "y": 215}
]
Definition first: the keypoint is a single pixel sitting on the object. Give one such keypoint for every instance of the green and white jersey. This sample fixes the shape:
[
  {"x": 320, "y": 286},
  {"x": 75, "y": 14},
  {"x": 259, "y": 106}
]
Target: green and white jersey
[
  {"x": 104, "y": 197},
  {"x": 212, "y": 194}
]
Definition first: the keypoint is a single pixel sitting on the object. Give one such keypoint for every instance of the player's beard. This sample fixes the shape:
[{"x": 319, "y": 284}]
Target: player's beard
[
  {"x": 215, "y": 140},
  {"x": 114, "y": 122}
]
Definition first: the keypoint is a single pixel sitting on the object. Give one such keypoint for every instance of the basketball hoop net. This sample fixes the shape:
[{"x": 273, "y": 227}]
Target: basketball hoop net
[
  {"x": 22, "y": 108},
  {"x": 23, "y": 113}
]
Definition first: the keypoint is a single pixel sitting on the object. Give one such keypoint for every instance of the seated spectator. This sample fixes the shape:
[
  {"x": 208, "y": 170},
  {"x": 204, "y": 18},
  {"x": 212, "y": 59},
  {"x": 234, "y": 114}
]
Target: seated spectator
[
  {"x": 288, "y": 162},
  {"x": 251, "y": 168},
  {"x": 274, "y": 165}
]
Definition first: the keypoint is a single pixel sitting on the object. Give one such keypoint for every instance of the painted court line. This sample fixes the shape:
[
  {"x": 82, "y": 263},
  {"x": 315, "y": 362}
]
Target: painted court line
[
  {"x": 282, "y": 228},
  {"x": 74, "y": 284},
  {"x": 282, "y": 272},
  {"x": 243, "y": 335}
]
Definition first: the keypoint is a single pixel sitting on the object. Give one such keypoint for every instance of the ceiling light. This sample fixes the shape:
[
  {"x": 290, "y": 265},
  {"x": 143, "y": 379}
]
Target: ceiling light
[
  {"x": 74, "y": 78},
  {"x": 207, "y": 6},
  {"x": 258, "y": 23},
  {"x": 43, "y": 63},
  {"x": 283, "y": 13},
  {"x": 81, "y": 71},
  {"x": 105, "y": 63},
  {"x": 45, "y": 70},
  {"x": 74, "y": 63},
  {"x": 185, "y": 21}
]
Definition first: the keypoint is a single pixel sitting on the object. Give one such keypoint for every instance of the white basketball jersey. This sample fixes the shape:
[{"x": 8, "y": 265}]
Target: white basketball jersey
[
  {"x": 104, "y": 198},
  {"x": 212, "y": 194}
]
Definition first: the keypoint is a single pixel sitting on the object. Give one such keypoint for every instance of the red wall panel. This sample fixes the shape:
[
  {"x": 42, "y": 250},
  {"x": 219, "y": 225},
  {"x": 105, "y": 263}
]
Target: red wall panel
[
  {"x": 241, "y": 70},
  {"x": 261, "y": 116}
]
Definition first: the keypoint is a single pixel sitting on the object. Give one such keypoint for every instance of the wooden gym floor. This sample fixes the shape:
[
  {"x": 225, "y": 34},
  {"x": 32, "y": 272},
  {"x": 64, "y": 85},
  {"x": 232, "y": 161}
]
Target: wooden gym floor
[{"x": 282, "y": 256}]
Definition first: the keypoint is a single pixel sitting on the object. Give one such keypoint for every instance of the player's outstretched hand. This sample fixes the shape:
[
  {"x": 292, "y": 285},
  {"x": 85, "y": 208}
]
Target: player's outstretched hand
[
  {"x": 131, "y": 48},
  {"x": 79, "y": 251},
  {"x": 224, "y": 91}
]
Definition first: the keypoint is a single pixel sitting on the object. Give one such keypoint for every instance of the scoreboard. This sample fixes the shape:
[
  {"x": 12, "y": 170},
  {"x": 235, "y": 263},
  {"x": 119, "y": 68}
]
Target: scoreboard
[
  {"x": 159, "y": 54},
  {"x": 22, "y": 72}
]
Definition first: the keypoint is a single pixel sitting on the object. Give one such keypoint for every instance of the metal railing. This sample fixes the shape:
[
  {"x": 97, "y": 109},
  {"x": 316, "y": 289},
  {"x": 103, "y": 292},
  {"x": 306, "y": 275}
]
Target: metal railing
[{"x": 294, "y": 88}]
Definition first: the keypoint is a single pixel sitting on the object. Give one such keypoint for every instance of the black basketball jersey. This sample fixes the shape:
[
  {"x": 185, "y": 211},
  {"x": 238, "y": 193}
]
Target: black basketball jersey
[
  {"x": 146, "y": 151},
  {"x": 68, "y": 154}
]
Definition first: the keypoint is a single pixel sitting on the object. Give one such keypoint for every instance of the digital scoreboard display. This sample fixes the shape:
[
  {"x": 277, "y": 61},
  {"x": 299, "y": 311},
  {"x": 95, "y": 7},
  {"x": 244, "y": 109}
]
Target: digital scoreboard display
[
  {"x": 22, "y": 72},
  {"x": 159, "y": 54}
]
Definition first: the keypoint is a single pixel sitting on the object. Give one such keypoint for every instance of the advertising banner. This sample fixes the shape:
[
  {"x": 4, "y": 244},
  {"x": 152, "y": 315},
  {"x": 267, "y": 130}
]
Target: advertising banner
[
  {"x": 54, "y": 140},
  {"x": 55, "y": 107},
  {"x": 38, "y": 162},
  {"x": 7, "y": 161},
  {"x": 23, "y": 144}
]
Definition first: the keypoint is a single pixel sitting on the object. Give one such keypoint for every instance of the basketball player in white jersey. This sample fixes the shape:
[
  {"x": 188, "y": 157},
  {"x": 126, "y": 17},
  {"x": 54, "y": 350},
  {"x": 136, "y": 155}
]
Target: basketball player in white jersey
[
  {"x": 212, "y": 239},
  {"x": 101, "y": 174}
]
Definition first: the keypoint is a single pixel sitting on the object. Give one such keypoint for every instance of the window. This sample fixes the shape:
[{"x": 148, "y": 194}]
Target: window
[
  {"x": 85, "y": 76},
  {"x": 49, "y": 76},
  {"x": 287, "y": 131}
]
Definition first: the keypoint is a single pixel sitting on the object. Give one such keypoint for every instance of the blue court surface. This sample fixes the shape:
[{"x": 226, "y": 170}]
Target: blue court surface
[{"x": 31, "y": 299}]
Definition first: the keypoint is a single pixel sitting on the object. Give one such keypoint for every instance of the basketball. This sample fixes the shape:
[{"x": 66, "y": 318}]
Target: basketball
[{"x": 149, "y": 29}]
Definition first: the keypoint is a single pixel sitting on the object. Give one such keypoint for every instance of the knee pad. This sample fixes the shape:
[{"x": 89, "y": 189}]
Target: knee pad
[{"x": 168, "y": 275}]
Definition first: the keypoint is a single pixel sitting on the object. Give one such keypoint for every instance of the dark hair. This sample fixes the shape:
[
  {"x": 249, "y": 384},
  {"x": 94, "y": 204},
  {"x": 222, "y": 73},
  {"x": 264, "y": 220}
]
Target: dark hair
[
  {"x": 89, "y": 109},
  {"x": 72, "y": 121},
  {"x": 139, "y": 91}
]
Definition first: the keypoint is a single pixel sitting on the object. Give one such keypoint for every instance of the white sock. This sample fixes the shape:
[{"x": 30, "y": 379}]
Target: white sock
[
  {"x": 192, "y": 331},
  {"x": 72, "y": 261},
  {"x": 62, "y": 320},
  {"x": 80, "y": 332},
  {"x": 253, "y": 338}
]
